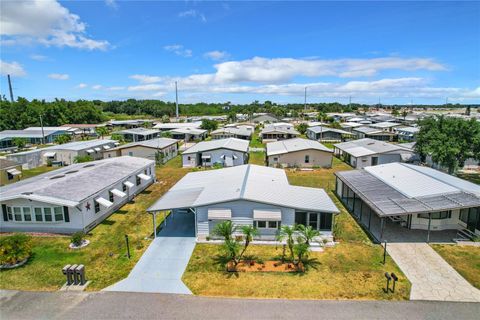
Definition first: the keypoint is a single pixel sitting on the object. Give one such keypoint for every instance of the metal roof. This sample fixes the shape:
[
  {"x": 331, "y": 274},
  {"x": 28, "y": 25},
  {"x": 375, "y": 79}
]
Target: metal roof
[
  {"x": 367, "y": 146},
  {"x": 293, "y": 145},
  {"x": 6, "y": 134},
  {"x": 178, "y": 125},
  {"x": 188, "y": 130},
  {"x": 389, "y": 195},
  {"x": 156, "y": 143},
  {"x": 281, "y": 127},
  {"x": 322, "y": 129},
  {"x": 229, "y": 143},
  {"x": 242, "y": 131},
  {"x": 367, "y": 130},
  {"x": 72, "y": 184},
  {"x": 81, "y": 145},
  {"x": 247, "y": 182},
  {"x": 4, "y": 164},
  {"x": 385, "y": 124},
  {"x": 138, "y": 131}
]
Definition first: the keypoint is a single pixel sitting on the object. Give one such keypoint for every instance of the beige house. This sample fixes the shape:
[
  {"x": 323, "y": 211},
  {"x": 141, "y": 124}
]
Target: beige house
[
  {"x": 159, "y": 149},
  {"x": 298, "y": 153},
  {"x": 10, "y": 171}
]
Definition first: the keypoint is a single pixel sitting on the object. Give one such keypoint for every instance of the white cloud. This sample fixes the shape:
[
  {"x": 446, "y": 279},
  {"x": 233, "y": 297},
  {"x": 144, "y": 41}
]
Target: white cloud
[
  {"x": 115, "y": 88},
  {"x": 111, "y": 3},
  {"x": 142, "y": 78},
  {"x": 13, "y": 68},
  {"x": 46, "y": 22},
  {"x": 97, "y": 87},
  {"x": 147, "y": 87},
  {"x": 216, "y": 55},
  {"x": 82, "y": 85},
  {"x": 179, "y": 50},
  {"x": 59, "y": 76},
  {"x": 38, "y": 57},
  {"x": 193, "y": 14}
]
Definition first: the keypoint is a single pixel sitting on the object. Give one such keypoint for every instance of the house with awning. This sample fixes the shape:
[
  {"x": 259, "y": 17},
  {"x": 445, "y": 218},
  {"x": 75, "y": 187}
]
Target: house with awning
[
  {"x": 246, "y": 195},
  {"x": 73, "y": 198},
  {"x": 10, "y": 171},
  {"x": 226, "y": 152}
]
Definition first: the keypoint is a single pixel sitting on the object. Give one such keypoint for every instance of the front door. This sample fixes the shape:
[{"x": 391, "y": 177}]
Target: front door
[
  {"x": 473, "y": 216},
  {"x": 313, "y": 220},
  {"x": 374, "y": 161}
]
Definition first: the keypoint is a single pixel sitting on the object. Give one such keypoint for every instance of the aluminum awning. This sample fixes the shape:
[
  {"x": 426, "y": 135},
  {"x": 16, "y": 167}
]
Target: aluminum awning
[
  {"x": 106, "y": 147},
  {"x": 104, "y": 202},
  {"x": 267, "y": 214},
  {"x": 206, "y": 156},
  {"x": 97, "y": 149},
  {"x": 90, "y": 151},
  {"x": 144, "y": 176},
  {"x": 219, "y": 214},
  {"x": 14, "y": 172},
  {"x": 49, "y": 154},
  {"x": 118, "y": 193},
  {"x": 128, "y": 184}
]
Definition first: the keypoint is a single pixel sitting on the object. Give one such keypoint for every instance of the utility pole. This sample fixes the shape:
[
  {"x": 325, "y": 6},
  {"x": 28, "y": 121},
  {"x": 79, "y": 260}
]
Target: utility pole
[
  {"x": 10, "y": 87},
  {"x": 176, "y": 100},
  {"x": 305, "y": 100},
  {"x": 349, "y": 101},
  {"x": 43, "y": 134}
]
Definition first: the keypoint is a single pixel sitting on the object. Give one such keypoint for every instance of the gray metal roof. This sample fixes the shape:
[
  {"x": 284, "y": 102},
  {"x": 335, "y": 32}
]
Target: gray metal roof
[
  {"x": 281, "y": 127},
  {"x": 387, "y": 197},
  {"x": 138, "y": 131},
  {"x": 367, "y": 146},
  {"x": 177, "y": 125},
  {"x": 242, "y": 131},
  {"x": 70, "y": 185},
  {"x": 4, "y": 163},
  {"x": 156, "y": 143},
  {"x": 293, "y": 145},
  {"x": 247, "y": 182},
  {"x": 229, "y": 143},
  {"x": 323, "y": 129},
  {"x": 81, "y": 145},
  {"x": 367, "y": 130},
  {"x": 7, "y": 134}
]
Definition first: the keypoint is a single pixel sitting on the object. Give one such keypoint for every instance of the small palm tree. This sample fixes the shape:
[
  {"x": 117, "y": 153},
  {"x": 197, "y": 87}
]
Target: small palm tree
[
  {"x": 249, "y": 232},
  {"x": 101, "y": 131},
  {"x": 307, "y": 233},
  {"x": 287, "y": 233},
  {"x": 225, "y": 230},
  {"x": 301, "y": 251}
]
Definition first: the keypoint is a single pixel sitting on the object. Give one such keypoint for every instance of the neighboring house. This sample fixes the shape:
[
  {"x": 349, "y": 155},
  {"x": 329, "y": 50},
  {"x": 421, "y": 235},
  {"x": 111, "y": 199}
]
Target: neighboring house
[
  {"x": 84, "y": 129},
  {"x": 278, "y": 131},
  {"x": 264, "y": 118},
  {"x": 298, "y": 153},
  {"x": 31, "y": 135},
  {"x": 129, "y": 123},
  {"x": 189, "y": 134},
  {"x": 386, "y": 126},
  {"x": 244, "y": 133},
  {"x": 349, "y": 126},
  {"x": 177, "y": 125},
  {"x": 227, "y": 152},
  {"x": 393, "y": 199},
  {"x": 374, "y": 133},
  {"x": 74, "y": 198},
  {"x": 368, "y": 152},
  {"x": 321, "y": 133},
  {"x": 247, "y": 195},
  {"x": 10, "y": 172},
  {"x": 138, "y": 134},
  {"x": 148, "y": 149},
  {"x": 62, "y": 154},
  {"x": 407, "y": 133}
]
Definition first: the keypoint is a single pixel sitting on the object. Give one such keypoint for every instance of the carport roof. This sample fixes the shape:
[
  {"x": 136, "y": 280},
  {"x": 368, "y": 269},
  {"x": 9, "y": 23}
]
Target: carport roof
[{"x": 247, "y": 182}]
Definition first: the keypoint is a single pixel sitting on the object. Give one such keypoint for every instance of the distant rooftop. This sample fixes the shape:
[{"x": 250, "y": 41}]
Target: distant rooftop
[
  {"x": 138, "y": 131},
  {"x": 320, "y": 129},
  {"x": 157, "y": 143},
  {"x": 230, "y": 143},
  {"x": 367, "y": 146},
  {"x": 293, "y": 145}
]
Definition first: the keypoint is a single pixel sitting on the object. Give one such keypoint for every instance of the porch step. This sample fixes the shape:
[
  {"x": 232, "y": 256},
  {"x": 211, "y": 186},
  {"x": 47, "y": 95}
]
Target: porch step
[{"x": 465, "y": 235}]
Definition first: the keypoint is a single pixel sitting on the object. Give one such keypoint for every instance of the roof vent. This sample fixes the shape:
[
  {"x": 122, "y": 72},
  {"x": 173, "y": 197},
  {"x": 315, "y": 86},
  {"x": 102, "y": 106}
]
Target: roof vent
[
  {"x": 89, "y": 165},
  {"x": 370, "y": 143},
  {"x": 71, "y": 171},
  {"x": 27, "y": 193},
  {"x": 58, "y": 176}
]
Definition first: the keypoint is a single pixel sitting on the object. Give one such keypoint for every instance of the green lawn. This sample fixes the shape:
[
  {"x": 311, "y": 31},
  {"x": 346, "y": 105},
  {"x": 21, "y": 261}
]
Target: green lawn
[
  {"x": 104, "y": 258},
  {"x": 464, "y": 259},
  {"x": 472, "y": 177},
  {"x": 255, "y": 142},
  {"x": 257, "y": 157},
  {"x": 28, "y": 173}
]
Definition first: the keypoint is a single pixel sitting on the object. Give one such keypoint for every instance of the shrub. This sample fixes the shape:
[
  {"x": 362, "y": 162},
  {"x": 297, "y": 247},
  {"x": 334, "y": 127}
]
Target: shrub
[
  {"x": 15, "y": 248},
  {"x": 77, "y": 238}
]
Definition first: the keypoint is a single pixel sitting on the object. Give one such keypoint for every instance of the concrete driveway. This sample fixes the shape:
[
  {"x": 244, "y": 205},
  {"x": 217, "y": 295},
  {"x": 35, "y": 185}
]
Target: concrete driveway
[
  {"x": 432, "y": 277},
  {"x": 161, "y": 267}
]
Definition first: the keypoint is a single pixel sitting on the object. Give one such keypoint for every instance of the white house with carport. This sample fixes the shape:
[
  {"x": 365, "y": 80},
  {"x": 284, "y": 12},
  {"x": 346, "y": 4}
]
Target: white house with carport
[
  {"x": 369, "y": 152},
  {"x": 243, "y": 132},
  {"x": 159, "y": 149},
  {"x": 407, "y": 133},
  {"x": 247, "y": 195},
  {"x": 404, "y": 202},
  {"x": 227, "y": 152},
  {"x": 322, "y": 133},
  {"x": 73, "y": 198},
  {"x": 189, "y": 134},
  {"x": 177, "y": 125},
  {"x": 374, "y": 133},
  {"x": 138, "y": 134},
  {"x": 299, "y": 153},
  {"x": 278, "y": 131}
]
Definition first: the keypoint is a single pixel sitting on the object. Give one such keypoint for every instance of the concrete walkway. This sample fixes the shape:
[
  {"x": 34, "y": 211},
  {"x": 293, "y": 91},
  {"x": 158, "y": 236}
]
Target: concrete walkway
[
  {"x": 432, "y": 277},
  {"x": 161, "y": 267}
]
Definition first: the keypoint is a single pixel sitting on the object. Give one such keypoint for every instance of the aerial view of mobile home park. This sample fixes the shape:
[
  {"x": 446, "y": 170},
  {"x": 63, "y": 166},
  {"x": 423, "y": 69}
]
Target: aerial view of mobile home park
[{"x": 156, "y": 161}]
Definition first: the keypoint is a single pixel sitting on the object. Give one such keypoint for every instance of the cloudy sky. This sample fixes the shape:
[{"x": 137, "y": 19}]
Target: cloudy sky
[{"x": 395, "y": 52}]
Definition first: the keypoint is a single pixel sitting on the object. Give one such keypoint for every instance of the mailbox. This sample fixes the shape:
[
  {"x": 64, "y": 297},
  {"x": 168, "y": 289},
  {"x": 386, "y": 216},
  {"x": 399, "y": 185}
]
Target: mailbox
[
  {"x": 68, "y": 274},
  {"x": 80, "y": 274}
]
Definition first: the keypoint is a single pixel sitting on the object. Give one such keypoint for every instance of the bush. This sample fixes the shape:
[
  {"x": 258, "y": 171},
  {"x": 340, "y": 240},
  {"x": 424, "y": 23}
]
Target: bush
[
  {"x": 77, "y": 238},
  {"x": 15, "y": 248}
]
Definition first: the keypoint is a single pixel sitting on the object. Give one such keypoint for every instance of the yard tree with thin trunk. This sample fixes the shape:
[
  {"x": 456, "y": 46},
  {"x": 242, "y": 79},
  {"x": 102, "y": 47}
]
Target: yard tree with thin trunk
[
  {"x": 286, "y": 233},
  {"x": 249, "y": 232},
  {"x": 20, "y": 143},
  {"x": 101, "y": 131},
  {"x": 302, "y": 127}
]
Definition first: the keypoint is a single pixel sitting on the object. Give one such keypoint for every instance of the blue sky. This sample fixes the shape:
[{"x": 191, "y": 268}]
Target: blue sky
[{"x": 243, "y": 51}]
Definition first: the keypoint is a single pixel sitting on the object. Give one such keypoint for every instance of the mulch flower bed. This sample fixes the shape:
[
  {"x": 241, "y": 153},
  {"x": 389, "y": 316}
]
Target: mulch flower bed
[{"x": 267, "y": 266}]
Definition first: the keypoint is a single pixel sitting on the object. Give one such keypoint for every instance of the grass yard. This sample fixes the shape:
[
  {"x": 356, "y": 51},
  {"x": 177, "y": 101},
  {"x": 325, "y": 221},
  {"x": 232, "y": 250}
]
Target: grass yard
[
  {"x": 257, "y": 157},
  {"x": 472, "y": 177},
  {"x": 464, "y": 259},
  {"x": 104, "y": 258},
  {"x": 347, "y": 271},
  {"x": 255, "y": 142},
  {"x": 28, "y": 173}
]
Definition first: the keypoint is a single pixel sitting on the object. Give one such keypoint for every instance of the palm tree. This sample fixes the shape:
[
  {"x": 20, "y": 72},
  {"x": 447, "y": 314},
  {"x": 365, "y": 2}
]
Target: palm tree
[
  {"x": 286, "y": 233},
  {"x": 101, "y": 131},
  {"x": 301, "y": 251},
  {"x": 307, "y": 233},
  {"x": 249, "y": 232},
  {"x": 225, "y": 230}
]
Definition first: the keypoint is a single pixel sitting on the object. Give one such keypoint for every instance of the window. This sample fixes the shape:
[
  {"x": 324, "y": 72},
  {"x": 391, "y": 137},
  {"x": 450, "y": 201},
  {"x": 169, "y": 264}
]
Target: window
[
  {"x": 188, "y": 158},
  {"x": 58, "y": 213},
  {"x": 9, "y": 213},
  {"x": 275, "y": 159},
  {"x": 436, "y": 215},
  {"x": 145, "y": 171},
  {"x": 464, "y": 215},
  {"x": 124, "y": 187},
  {"x": 307, "y": 159},
  {"x": 267, "y": 224},
  {"x": 17, "y": 213},
  {"x": 130, "y": 153},
  {"x": 48, "y": 214},
  {"x": 38, "y": 214},
  {"x": 27, "y": 215},
  {"x": 97, "y": 207},
  {"x": 261, "y": 224},
  {"x": 273, "y": 224},
  {"x": 139, "y": 181},
  {"x": 110, "y": 196}
]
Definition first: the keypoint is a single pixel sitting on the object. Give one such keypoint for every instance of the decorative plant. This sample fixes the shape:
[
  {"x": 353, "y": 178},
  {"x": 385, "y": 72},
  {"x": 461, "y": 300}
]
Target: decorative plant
[
  {"x": 15, "y": 248},
  {"x": 307, "y": 233},
  {"x": 77, "y": 238},
  {"x": 286, "y": 233}
]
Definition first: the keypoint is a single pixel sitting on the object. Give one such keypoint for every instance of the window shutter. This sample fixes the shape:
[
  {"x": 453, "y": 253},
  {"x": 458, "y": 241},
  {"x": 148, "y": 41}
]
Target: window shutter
[
  {"x": 4, "y": 210},
  {"x": 65, "y": 213}
]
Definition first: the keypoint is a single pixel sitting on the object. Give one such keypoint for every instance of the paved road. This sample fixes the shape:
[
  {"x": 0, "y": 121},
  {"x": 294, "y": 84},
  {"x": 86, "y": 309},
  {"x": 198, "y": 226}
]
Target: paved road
[
  {"x": 161, "y": 267},
  {"x": 432, "y": 277},
  {"x": 122, "y": 305}
]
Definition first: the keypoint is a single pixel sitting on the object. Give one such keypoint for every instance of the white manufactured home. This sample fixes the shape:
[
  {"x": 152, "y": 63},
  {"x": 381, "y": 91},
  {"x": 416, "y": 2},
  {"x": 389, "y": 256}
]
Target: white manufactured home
[
  {"x": 404, "y": 202},
  {"x": 226, "y": 152},
  {"x": 247, "y": 195},
  {"x": 159, "y": 149},
  {"x": 74, "y": 198},
  {"x": 300, "y": 153}
]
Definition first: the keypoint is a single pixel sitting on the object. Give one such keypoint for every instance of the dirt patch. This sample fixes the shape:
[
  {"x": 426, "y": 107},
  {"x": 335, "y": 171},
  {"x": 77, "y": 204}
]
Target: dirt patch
[{"x": 267, "y": 266}]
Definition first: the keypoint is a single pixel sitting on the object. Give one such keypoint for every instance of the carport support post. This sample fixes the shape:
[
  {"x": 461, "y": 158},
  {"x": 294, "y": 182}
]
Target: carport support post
[
  {"x": 382, "y": 226},
  {"x": 429, "y": 225},
  {"x": 154, "y": 214},
  {"x": 195, "y": 215}
]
